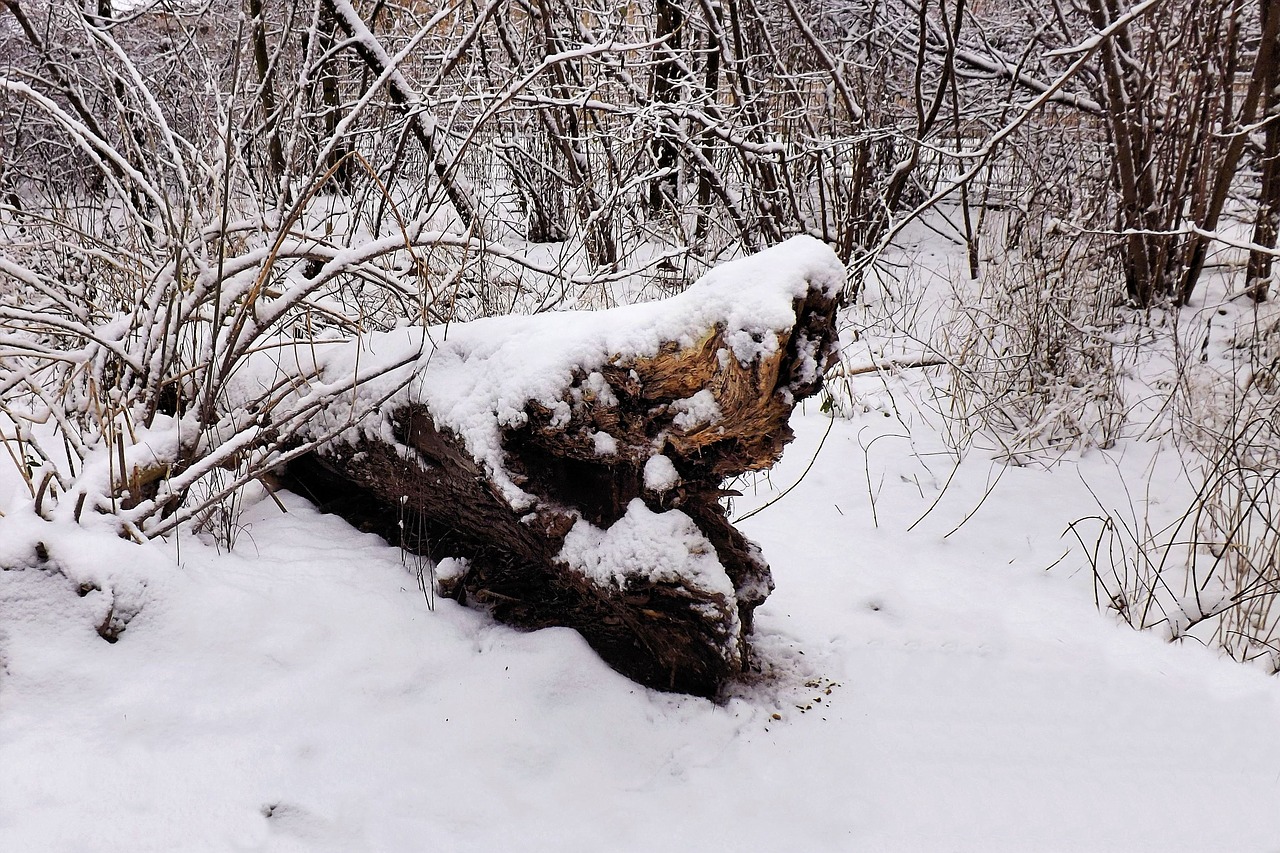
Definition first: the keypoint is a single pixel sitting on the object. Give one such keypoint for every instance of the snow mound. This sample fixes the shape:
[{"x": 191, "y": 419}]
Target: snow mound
[
  {"x": 660, "y": 474},
  {"x": 654, "y": 547}
]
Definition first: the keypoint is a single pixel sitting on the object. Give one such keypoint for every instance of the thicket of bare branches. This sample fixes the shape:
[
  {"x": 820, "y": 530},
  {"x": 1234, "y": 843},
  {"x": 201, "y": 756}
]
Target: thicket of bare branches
[
  {"x": 1181, "y": 96},
  {"x": 184, "y": 185}
]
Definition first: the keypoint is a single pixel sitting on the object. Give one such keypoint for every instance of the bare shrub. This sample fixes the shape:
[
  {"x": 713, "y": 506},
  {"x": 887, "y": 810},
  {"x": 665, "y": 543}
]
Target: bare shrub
[
  {"x": 1213, "y": 572},
  {"x": 1032, "y": 351}
]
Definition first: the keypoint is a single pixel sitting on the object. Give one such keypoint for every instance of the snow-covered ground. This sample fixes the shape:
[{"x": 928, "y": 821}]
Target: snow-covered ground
[{"x": 951, "y": 687}]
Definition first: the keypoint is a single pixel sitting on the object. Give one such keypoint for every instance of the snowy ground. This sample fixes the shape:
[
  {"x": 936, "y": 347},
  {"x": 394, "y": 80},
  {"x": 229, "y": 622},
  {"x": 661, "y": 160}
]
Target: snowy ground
[
  {"x": 298, "y": 695},
  {"x": 951, "y": 687}
]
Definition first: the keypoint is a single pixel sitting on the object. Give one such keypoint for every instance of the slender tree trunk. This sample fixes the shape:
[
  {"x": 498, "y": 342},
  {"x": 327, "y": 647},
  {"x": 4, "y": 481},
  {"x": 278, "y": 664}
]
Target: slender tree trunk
[
  {"x": 75, "y": 97},
  {"x": 338, "y": 161},
  {"x": 926, "y": 115},
  {"x": 763, "y": 170},
  {"x": 711, "y": 85},
  {"x": 1267, "y": 223},
  {"x": 266, "y": 90},
  {"x": 566, "y": 132},
  {"x": 1260, "y": 80},
  {"x": 666, "y": 90},
  {"x": 1127, "y": 127}
]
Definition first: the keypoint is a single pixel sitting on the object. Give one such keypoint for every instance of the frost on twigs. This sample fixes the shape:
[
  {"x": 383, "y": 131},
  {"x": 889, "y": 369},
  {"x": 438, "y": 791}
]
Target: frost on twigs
[{"x": 575, "y": 459}]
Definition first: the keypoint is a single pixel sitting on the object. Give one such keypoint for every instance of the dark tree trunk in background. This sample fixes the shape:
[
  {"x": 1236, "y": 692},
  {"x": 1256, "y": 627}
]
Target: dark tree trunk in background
[
  {"x": 711, "y": 85},
  {"x": 338, "y": 161},
  {"x": 1145, "y": 255},
  {"x": 266, "y": 90},
  {"x": 422, "y": 126},
  {"x": 1267, "y": 223},
  {"x": 666, "y": 90}
]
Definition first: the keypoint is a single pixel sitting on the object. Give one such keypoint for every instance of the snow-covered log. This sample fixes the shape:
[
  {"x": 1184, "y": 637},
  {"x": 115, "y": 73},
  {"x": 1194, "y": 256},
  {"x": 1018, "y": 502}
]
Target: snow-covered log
[{"x": 573, "y": 463}]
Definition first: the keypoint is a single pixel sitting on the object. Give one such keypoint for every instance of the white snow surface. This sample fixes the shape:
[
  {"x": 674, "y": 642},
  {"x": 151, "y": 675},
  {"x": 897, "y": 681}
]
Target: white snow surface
[
  {"x": 296, "y": 694},
  {"x": 653, "y": 546},
  {"x": 934, "y": 680},
  {"x": 478, "y": 377}
]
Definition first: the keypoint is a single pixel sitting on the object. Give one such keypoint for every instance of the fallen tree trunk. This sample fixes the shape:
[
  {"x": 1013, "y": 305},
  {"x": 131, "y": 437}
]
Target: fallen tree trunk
[{"x": 573, "y": 462}]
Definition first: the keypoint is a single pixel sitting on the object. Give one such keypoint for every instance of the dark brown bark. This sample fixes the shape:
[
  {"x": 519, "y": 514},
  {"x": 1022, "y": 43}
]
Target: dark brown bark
[
  {"x": 56, "y": 77},
  {"x": 1255, "y": 96},
  {"x": 338, "y": 163},
  {"x": 1145, "y": 254},
  {"x": 738, "y": 51},
  {"x": 927, "y": 111},
  {"x": 565, "y": 129}
]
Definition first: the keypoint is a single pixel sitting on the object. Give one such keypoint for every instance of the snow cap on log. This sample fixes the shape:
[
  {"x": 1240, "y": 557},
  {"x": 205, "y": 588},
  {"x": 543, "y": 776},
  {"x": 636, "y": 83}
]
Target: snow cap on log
[{"x": 479, "y": 379}]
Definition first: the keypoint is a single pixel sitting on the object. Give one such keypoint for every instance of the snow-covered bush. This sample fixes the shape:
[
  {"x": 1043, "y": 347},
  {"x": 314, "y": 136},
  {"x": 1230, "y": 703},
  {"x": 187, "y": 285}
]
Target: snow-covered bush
[{"x": 132, "y": 288}]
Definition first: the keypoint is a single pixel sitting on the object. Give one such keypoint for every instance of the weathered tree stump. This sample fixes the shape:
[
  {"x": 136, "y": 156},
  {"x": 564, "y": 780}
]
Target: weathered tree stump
[{"x": 574, "y": 461}]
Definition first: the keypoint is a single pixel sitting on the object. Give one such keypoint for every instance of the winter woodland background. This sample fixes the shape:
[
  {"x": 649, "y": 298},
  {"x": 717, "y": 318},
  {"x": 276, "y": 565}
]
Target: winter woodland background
[{"x": 1059, "y": 221}]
